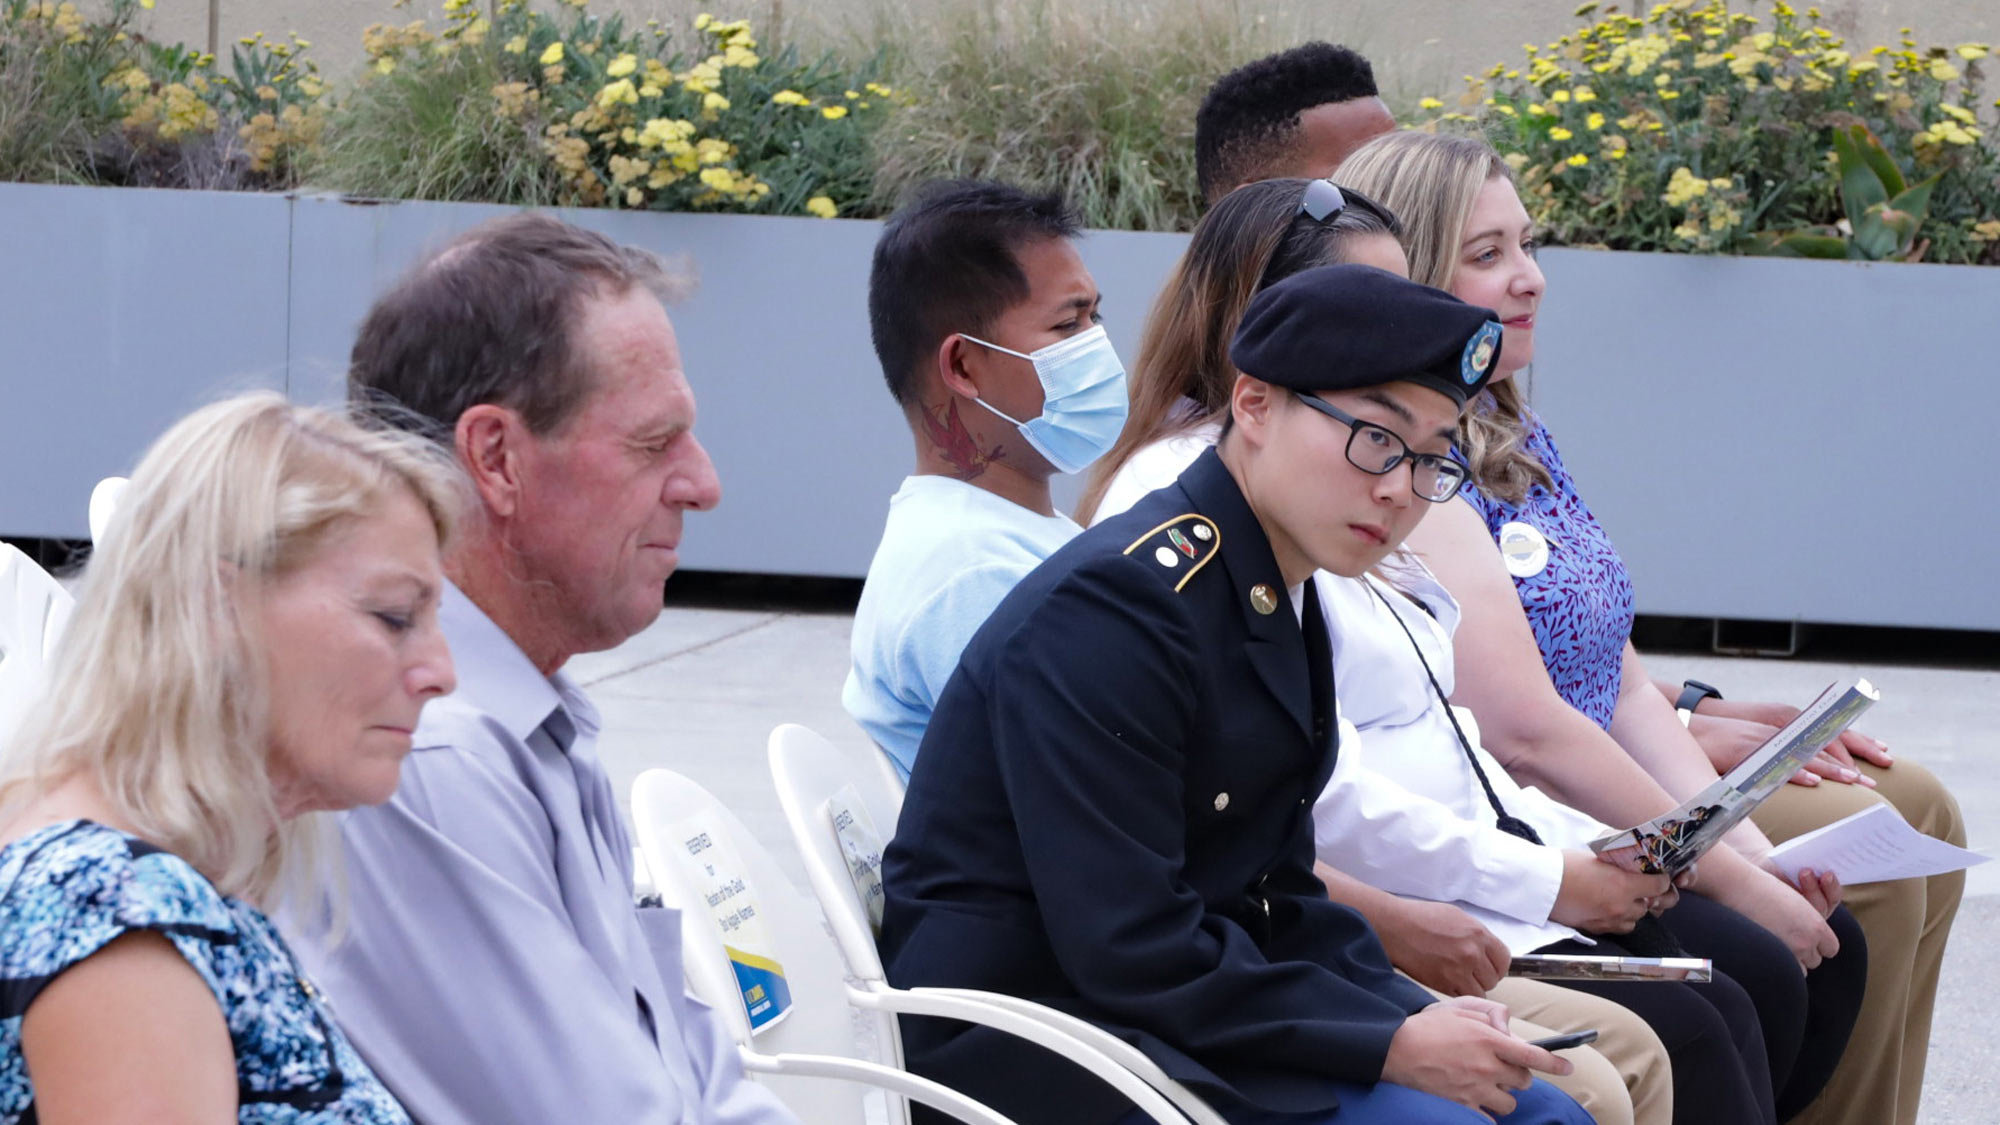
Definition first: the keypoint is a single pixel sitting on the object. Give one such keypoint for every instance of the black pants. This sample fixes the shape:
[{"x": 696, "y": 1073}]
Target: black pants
[
  {"x": 1806, "y": 1019},
  {"x": 1755, "y": 1045}
]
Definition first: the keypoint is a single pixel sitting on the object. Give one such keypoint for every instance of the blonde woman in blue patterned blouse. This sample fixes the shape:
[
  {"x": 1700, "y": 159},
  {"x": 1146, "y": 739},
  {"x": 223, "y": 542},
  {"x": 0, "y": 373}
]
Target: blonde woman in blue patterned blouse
[{"x": 252, "y": 645}]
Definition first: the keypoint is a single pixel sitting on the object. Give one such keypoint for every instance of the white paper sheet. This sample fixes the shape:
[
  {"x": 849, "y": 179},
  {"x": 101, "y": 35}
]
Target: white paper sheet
[{"x": 1873, "y": 844}]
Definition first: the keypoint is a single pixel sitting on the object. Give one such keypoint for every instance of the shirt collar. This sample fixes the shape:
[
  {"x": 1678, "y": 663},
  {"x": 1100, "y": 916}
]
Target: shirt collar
[{"x": 499, "y": 680}]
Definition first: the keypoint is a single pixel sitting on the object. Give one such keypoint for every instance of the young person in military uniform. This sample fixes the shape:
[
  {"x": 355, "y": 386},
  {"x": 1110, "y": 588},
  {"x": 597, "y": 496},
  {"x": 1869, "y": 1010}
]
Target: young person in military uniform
[{"x": 1111, "y": 810}]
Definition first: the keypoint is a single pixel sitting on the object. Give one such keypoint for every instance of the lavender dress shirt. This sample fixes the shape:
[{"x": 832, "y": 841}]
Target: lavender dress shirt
[{"x": 494, "y": 968}]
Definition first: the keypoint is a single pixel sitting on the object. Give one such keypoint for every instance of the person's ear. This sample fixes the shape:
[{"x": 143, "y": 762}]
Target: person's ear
[
  {"x": 955, "y": 358},
  {"x": 490, "y": 440},
  {"x": 1253, "y": 404}
]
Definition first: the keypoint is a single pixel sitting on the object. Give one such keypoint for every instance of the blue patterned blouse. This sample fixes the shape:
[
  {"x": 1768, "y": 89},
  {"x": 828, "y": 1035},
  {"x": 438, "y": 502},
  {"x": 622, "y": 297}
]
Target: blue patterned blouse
[
  {"x": 1580, "y": 602},
  {"x": 69, "y": 889}
]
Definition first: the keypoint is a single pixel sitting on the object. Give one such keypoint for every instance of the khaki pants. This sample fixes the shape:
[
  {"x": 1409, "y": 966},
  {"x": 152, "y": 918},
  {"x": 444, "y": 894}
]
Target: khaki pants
[
  {"x": 1881, "y": 1076},
  {"x": 1623, "y": 1078}
]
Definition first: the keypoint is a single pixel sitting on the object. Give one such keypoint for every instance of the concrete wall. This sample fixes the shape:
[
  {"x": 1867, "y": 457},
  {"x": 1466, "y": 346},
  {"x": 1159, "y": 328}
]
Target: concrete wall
[{"x": 1419, "y": 46}]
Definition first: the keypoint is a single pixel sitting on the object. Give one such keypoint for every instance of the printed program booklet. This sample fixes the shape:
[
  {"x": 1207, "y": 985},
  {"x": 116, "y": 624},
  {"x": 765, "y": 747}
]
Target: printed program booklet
[
  {"x": 1585, "y": 966},
  {"x": 1672, "y": 842}
]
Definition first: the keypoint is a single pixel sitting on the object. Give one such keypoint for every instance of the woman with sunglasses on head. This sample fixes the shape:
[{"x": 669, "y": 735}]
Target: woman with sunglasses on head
[
  {"x": 1561, "y": 695},
  {"x": 253, "y": 641},
  {"x": 1257, "y": 236}
]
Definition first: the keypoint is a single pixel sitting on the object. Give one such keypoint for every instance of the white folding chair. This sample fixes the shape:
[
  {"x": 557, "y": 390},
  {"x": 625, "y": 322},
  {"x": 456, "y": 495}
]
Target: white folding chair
[
  {"x": 694, "y": 848},
  {"x": 818, "y": 782},
  {"x": 33, "y": 610}
]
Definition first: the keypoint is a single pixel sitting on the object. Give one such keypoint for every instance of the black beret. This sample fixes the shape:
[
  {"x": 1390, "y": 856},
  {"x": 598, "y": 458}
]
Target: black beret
[{"x": 1339, "y": 328}]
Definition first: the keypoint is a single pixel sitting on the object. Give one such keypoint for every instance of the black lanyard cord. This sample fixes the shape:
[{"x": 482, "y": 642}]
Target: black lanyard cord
[{"x": 1512, "y": 825}]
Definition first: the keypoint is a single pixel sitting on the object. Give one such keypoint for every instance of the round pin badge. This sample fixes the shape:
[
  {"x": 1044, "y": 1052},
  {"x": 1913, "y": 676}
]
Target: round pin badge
[
  {"x": 1524, "y": 549},
  {"x": 1165, "y": 557}
]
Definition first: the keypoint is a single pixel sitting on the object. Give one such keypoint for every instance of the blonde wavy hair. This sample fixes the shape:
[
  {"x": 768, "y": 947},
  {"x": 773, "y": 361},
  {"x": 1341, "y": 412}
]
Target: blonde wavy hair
[
  {"x": 157, "y": 690},
  {"x": 1431, "y": 182}
]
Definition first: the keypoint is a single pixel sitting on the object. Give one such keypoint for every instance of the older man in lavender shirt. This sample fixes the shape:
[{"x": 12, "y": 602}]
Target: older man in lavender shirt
[{"x": 494, "y": 968}]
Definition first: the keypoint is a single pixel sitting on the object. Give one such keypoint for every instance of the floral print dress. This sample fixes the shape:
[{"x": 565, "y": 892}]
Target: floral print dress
[
  {"x": 71, "y": 888},
  {"x": 1579, "y": 601}
]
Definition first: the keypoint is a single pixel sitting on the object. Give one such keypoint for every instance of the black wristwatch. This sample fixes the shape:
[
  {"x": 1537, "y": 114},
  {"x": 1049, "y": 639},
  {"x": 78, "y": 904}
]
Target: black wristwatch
[{"x": 1692, "y": 693}]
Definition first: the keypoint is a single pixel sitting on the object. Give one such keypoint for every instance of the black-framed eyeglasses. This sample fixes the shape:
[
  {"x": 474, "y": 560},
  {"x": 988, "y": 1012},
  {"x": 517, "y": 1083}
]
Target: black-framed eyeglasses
[
  {"x": 1324, "y": 200},
  {"x": 1376, "y": 450}
]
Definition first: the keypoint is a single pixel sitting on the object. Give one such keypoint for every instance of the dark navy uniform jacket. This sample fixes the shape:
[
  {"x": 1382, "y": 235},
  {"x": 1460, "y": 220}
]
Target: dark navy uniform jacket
[{"x": 1111, "y": 814}]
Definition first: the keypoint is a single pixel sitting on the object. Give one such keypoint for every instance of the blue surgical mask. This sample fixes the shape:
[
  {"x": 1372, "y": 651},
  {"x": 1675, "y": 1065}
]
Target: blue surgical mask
[{"x": 1083, "y": 399}]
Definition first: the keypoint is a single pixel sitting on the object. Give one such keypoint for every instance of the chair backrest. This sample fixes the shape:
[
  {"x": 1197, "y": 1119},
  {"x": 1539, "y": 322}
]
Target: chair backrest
[
  {"x": 817, "y": 780},
  {"x": 732, "y": 896},
  {"x": 104, "y": 500},
  {"x": 33, "y": 610}
]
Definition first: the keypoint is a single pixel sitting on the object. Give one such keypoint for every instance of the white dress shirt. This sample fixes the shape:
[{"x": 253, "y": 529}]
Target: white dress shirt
[
  {"x": 495, "y": 969},
  {"x": 1406, "y": 739}
]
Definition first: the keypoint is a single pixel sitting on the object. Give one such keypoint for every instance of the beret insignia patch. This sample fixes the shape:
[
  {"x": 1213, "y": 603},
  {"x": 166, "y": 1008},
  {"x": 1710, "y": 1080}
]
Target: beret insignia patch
[{"x": 1479, "y": 352}]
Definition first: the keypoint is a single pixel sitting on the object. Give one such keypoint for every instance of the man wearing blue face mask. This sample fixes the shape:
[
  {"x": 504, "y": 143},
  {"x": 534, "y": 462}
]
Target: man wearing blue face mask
[{"x": 985, "y": 322}]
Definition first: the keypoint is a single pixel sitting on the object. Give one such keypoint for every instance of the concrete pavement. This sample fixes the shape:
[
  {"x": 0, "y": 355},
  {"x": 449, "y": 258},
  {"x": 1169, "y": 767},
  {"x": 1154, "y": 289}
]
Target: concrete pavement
[{"x": 700, "y": 691}]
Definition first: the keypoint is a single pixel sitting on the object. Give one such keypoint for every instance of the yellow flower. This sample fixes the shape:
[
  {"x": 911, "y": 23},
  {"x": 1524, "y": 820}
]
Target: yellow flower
[
  {"x": 822, "y": 206},
  {"x": 517, "y": 45},
  {"x": 1951, "y": 132},
  {"x": 1578, "y": 160},
  {"x": 1967, "y": 51},
  {"x": 1585, "y": 94},
  {"x": 1988, "y": 231},
  {"x": 664, "y": 132},
  {"x": 146, "y": 4},
  {"x": 834, "y": 112},
  {"x": 1559, "y": 96},
  {"x": 790, "y": 97},
  {"x": 1615, "y": 147},
  {"x": 634, "y": 196},
  {"x": 625, "y": 169},
  {"x": 553, "y": 55},
  {"x": 1720, "y": 183},
  {"x": 1595, "y": 122},
  {"x": 702, "y": 21},
  {"x": 385, "y": 64},
  {"x": 1964, "y": 116},
  {"x": 1430, "y": 103},
  {"x": 1943, "y": 71},
  {"x": 617, "y": 93},
  {"x": 714, "y": 103},
  {"x": 622, "y": 65},
  {"x": 1558, "y": 133},
  {"x": 1683, "y": 188}
]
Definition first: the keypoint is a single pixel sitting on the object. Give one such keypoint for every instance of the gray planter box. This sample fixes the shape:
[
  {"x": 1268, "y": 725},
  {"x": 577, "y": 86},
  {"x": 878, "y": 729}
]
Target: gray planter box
[
  {"x": 124, "y": 309},
  {"x": 1764, "y": 439},
  {"x": 1782, "y": 440}
]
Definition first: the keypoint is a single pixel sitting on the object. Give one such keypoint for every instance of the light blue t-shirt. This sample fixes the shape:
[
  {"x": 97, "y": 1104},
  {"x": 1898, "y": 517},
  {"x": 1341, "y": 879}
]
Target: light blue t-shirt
[{"x": 949, "y": 553}]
